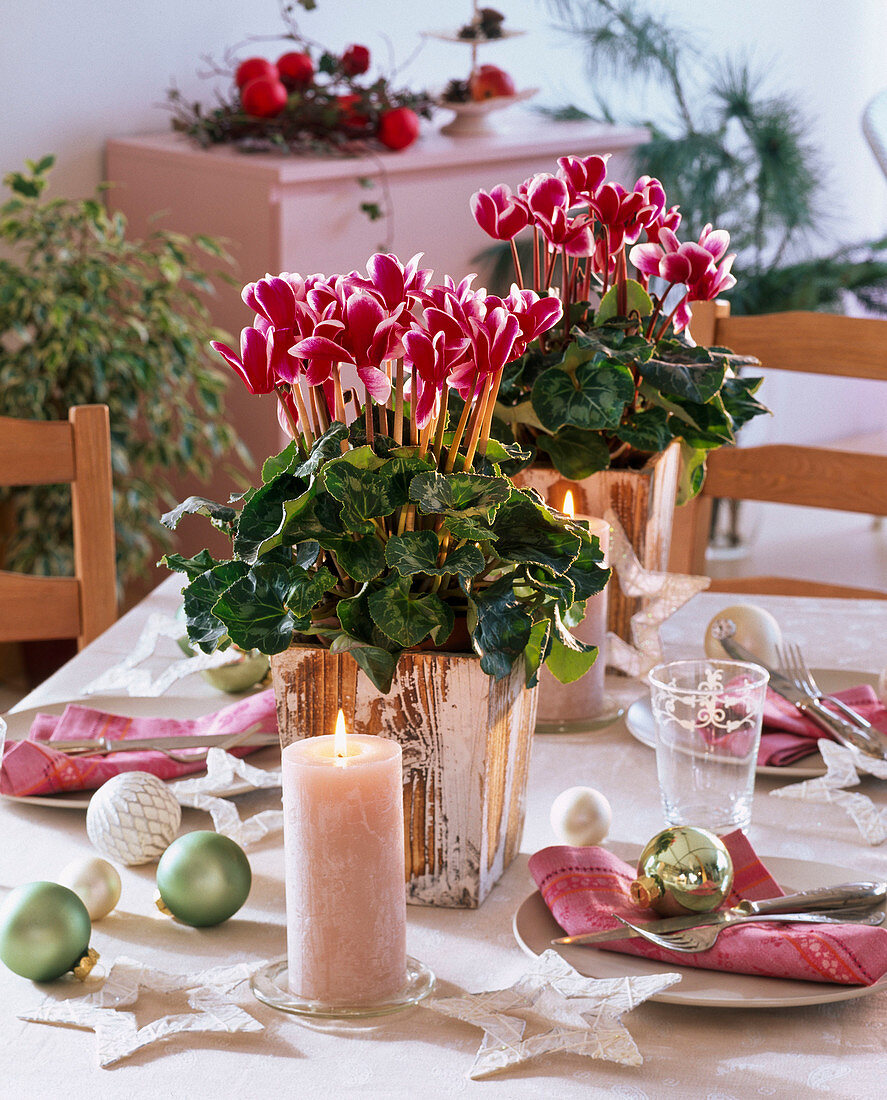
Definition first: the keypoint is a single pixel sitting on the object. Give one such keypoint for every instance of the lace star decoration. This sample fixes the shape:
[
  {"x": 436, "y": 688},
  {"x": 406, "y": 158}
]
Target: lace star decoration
[
  {"x": 117, "y": 1034},
  {"x": 663, "y": 594},
  {"x": 567, "y": 1012},
  {"x": 844, "y": 766}
]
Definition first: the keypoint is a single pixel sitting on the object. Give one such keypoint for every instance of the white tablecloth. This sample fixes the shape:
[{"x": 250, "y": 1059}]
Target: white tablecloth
[{"x": 833, "y": 1050}]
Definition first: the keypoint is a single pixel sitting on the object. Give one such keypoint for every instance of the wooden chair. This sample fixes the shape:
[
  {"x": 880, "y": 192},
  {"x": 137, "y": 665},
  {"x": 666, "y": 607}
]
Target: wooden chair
[
  {"x": 77, "y": 451},
  {"x": 821, "y": 476}
]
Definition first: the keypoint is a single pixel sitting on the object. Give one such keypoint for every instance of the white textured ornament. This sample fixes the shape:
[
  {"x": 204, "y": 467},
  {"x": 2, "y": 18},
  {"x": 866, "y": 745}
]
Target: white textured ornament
[
  {"x": 95, "y": 882},
  {"x": 581, "y": 816},
  {"x": 133, "y": 818}
]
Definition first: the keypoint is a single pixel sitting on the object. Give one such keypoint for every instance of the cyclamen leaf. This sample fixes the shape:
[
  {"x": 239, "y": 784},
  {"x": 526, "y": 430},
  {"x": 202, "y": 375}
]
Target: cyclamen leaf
[
  {"x": 575, "y": 453},
  {"x": 647, "y": 430},
  {"x": 220, "y": 514},
  {"x": 307, "y": 589},
  {"x": 205, "y": 629},
  {"x": 324, "y": 449},
  {"x": 192, "y": 567},
  {"x": 362, "y": 559},
  {"x": 536, "y": 651},
  {"x": 263, "y": 517},
  {"x": 418, "y": 551},
  {"x": 588, "y": 573},
  {"x": 469, "y": 528},
  {"x": 379, "y": 664},
  {"x": 254, "y": 609},
  {"x": 594, "y": 401},
  {"x": 500, "y": 627},
  {"x": 280, "y": 463},
  {"x": 698, "y": 384},
  {"x": 637, "y": 301},
  {"x": 407, "y": 618},
  {"x": 365, "y": 492},
  {"x": 459, "y": 494},
  {"x": 567, "y": 664},
  {"x": 528, "y": 533}
]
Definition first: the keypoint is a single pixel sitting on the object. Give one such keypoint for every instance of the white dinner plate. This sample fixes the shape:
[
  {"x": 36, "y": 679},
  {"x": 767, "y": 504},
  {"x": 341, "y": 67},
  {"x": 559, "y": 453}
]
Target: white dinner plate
[
  {"x": 18, "y": 724},
  {"x": 640, "y": 723},
  {"x": 534, "y": 929}
]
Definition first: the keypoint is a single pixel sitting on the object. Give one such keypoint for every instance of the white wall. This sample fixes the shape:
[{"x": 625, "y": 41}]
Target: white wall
[{"x": 74, "y": 72}]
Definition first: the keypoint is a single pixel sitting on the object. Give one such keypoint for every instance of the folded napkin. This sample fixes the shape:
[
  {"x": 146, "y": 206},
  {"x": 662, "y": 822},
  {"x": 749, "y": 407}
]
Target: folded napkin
[
  {"x": 787, "y": 736},
  {"x": 33, "y": 767},
  {"x": 585, "y": 887}
]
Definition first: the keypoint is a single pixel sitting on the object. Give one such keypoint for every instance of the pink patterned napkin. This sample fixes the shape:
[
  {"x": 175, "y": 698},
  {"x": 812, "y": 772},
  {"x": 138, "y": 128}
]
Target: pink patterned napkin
[
  {"x": 787, "y": 736},
  {"x": 584, "y": 887},
  {"x": 33, "y": 767}
]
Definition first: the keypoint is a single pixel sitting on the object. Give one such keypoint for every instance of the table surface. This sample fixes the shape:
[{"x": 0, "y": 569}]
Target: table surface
[{"x": 832, "y": 1049}]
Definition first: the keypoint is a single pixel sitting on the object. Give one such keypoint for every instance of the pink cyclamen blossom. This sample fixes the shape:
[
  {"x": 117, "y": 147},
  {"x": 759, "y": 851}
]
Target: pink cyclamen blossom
[
  {"x": 534, "y": 315},
  {"x": 548, "y": 201},
  {"x": 394, "y": 282},
  {"x": 253, "y": 363},
  {"x": 583, "y": 175},
  {"x": 499, "y": 213}
]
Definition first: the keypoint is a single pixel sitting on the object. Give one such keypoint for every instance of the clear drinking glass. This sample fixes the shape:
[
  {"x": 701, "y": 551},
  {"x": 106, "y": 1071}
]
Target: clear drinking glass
[{"x": 708, "y": 729}]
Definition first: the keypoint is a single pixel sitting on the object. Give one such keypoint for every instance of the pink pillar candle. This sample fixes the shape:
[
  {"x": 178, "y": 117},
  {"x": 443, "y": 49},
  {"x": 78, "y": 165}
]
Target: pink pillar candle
[
  {"x": 570, "y": 704},
  {"x": 344, "y": 852}
]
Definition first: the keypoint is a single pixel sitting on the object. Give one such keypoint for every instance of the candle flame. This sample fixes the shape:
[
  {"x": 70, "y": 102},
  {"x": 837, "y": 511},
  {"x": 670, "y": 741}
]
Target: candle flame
[
  {"x": 569, "y": 508},
  {"x": 340, "y": 745}
]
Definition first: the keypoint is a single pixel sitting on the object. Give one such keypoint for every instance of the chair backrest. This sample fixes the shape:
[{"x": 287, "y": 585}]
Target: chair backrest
[
  {"x": 76, "y": 451},
  {"x": 819, "y": 477}
]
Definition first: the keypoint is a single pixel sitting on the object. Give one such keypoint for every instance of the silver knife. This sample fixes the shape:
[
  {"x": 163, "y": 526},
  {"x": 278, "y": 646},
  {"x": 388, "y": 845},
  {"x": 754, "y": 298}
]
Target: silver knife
[
  {"x": 831, "y": 903},
  {"x": 867, "y": 741},
  {"x": 101, "y": 746}
]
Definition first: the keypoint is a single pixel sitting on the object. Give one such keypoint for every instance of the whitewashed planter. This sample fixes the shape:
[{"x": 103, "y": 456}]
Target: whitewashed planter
[
  {"x": 466, "y": 749},
  {"x": 644, "y": 503}
]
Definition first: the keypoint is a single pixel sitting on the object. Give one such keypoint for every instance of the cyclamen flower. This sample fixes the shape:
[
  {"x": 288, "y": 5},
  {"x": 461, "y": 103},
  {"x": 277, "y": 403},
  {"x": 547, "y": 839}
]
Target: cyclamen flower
[
  {"x": 548, "y": 201},
  {"x": 534, "y": 315},
  {"x": 583, "y": 175},
  {"x": 500, "y": 214},
  {"x": 253, "y": 362},
  {"x": 394, "y": 282},
  {"x": 681, "y": 263}
]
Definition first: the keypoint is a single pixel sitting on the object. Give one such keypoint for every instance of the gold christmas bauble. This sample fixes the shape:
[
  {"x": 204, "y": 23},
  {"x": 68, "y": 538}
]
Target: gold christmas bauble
[{"x": 683, "y": 870}]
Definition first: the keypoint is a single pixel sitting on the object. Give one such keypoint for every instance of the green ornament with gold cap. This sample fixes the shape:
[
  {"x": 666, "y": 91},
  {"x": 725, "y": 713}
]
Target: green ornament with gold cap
[
  {"x": 44, "y": 932},
  {"x": 203, "y": 878}
]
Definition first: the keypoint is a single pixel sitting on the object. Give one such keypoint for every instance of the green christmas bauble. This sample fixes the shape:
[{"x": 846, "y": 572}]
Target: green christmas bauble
[
  {"x": 683, "y": 870},
  {"x": 44, "y": 930},
  {"x": 203, "y": 878}
]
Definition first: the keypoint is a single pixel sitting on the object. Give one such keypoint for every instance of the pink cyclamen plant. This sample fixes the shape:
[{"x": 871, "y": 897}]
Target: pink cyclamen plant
[{"x": 389, "y": 343}]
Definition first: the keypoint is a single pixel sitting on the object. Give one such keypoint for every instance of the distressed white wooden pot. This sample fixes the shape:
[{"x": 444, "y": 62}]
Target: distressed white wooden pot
[
  {"x": 466, "y": 749},
  {"x": 644, "y": 503}
]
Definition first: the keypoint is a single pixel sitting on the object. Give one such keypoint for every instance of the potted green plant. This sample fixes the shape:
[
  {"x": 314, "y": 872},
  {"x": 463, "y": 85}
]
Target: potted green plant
[
  {"x": 88, "y": 315},
  {"x": 386, "y": 537},
  {"x": 616, "y": 400}
]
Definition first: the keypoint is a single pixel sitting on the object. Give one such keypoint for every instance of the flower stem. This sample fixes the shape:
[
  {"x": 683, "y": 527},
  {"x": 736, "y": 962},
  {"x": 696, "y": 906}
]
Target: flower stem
[
  {"x": 303, "y": 414},
  {"x": 457, "y": 437},
  {"x": 517, "y": 267},
  {"x": 398, "y": 403},
  {"x": 294, "y": 428}
]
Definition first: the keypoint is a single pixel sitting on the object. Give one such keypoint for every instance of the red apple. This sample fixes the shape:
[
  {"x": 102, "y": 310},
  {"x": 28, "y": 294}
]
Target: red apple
[
  {"x": 350, "y": 117},
  {"x": 253, "y": 67},
  {"x": 355, "y": 60},
  {"x": 263, "y": 97},
  {"x": 398, "y": 128},
  {"x": 296, "y": 69},
  {"x": 489, "y": 82}
]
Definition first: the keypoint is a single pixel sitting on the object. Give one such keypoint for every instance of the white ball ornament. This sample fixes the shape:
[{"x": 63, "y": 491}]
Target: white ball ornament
[
  {"x": 133, "y": 818},
  {"x": 581, "y": 816},
  {"x": 756, "y": 630},
  {"x": 95, "y": 881}
]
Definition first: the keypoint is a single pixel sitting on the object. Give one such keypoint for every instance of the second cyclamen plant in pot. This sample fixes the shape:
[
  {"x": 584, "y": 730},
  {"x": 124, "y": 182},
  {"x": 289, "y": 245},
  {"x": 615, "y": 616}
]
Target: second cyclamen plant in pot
[
  {"x": 387, "y": 531},
  {"x": 616, "y": 400}
]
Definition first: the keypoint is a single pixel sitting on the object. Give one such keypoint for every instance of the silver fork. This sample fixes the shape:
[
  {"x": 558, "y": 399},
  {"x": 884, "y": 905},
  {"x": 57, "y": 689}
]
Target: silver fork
[
  {"x": 793, "y": 664},
  {"x": 689, "y": 941}
]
